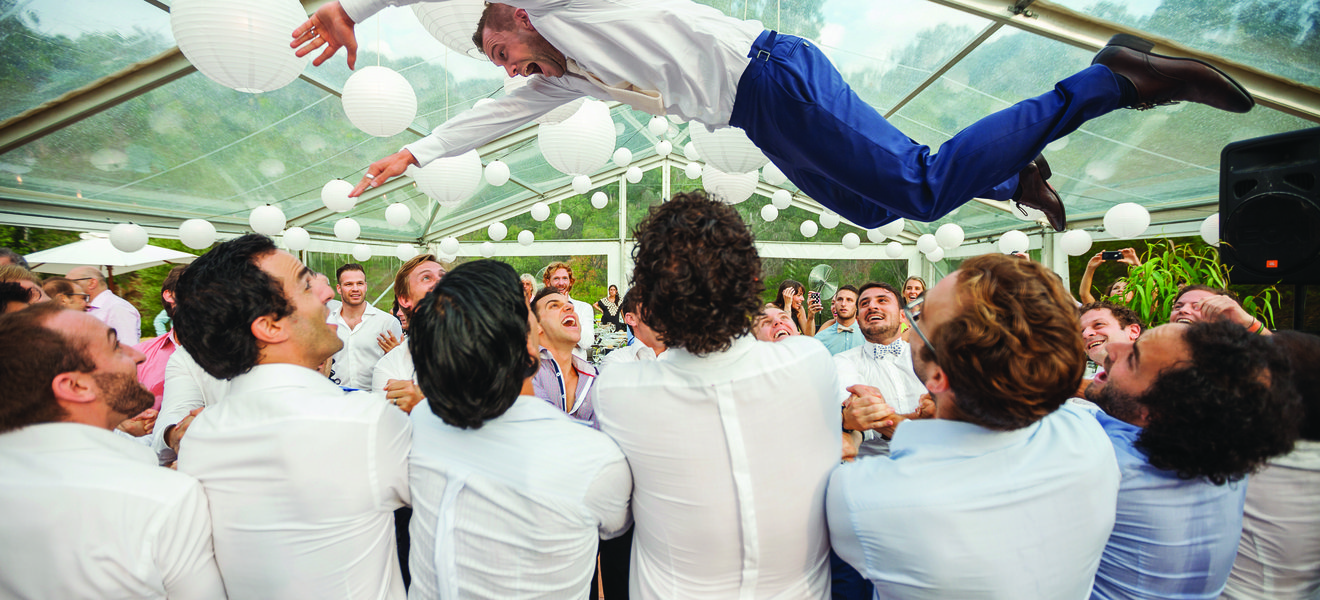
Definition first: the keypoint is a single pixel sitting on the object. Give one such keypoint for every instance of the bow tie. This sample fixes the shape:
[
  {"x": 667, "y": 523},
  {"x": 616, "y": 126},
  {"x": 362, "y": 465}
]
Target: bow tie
[
  {"x": 895, "y": 349},
  {"x": 842, "y": 329}
]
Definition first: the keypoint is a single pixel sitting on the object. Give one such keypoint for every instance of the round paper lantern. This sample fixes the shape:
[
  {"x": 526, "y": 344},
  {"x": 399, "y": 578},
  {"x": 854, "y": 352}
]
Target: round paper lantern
[
  {"x": 335, "y": 195},
  {"x": 893, "y": 250},
  {"x": 1127, "y": 220},
  {"x": 297, "y": 238},
  {"x": 727, "y": 148},
  {"x": 449, "y": 246},
  {"x": 197, "y": 233},
  {"x": 657, "y": 126},
  {"x": 633, "y": 174},
  {"x": 875, "y": 236},
  {"x": 599, "y": 200},
  {"x": 936, "y": 256},
  {"x": 451, "y": 180},
  {"x": 446, "y": 258},
  {"x": 242, "y": 44},
  {"x": 950, "y": 236},
  {"x": 562, "y": 112},
  {"x": 271, "y": 168},
  {"x": 379, "y": 101},
  {"x": 1013, "y": 241},
  {"x": 347, "y": 229},
  {"x": 892, "y": 228},
  {"x": 690, "y": 152},
  {"x": 398, "y": 214},
  {"x": 452, "y": 23},
  {"x": 128, "y": 237},
  {"x": 729, "y": 188},
  {"x": 497, "y": 173},
  {"x": 581, "y": 184},
  {"x": 1075, "y": 242},
  {"x": 267, "y": 220},
  {"x": 663, "y": 148},
  {"x": 580, "y": 144},
  {"x": 692, "y": 170},
  {"x": 622, "y": 158},
  {"x": 769, "y": 213},
  {"x": 404, "y": 252},
  {"x": 1210, "y": 230},
  {"x": 487, "y": 249},
  {"x": 781, "y": 199},
  {"x": 927, "y": 243},
  {"x": 851, "y": 241},
  {"x": 108, "y": 159},
  {"x": 808, "y": 229},
  {"x": 526, "y": 237},
  {"x": 772, "y": 175},
  {"x": 563, "y": 221},
  {"x": 362, "y": 252},
  {"x": 497, "y": 231},
  {"x": 829, "y": 220},
  {"x": 540, "y": 211}
]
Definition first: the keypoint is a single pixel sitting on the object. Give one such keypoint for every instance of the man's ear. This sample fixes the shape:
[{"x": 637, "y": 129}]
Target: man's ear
[
  {"x": 523, "y": 20},
  {"x": 937, "y": 382},
  {"x": 74, "y": 388},
  {"x": 269, "y": 330},
  {"x": 1133, "y": 331}
]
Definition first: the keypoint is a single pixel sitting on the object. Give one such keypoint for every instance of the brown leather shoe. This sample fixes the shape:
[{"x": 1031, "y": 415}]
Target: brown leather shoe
[
  {"x": 1167, "y": 80},
  {"x": 1034, "y": 192}
]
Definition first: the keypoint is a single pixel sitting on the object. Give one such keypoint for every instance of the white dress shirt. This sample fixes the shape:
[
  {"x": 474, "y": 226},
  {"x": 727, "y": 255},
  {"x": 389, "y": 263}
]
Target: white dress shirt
[
  {"x": 891, "y": 374},
  {"x": 187, "y": 386},
  {"x": 516, "y": 506},
  {"x": 119, "y": 314},
  {"x": 635, "y": 352},
  {"x": 89, "y": 515},
  {"x": 303, "y": 479},
  {"x": 396, "y": 364},
  {"x": 352, "y": 365},
  {"x": 692, "y": 54},
  {"x": 1279, "y": 554},
  {"x": 961, "y": 511},
  {"x": 730, "y": 454},
  {"x": 587, "y": 323}
]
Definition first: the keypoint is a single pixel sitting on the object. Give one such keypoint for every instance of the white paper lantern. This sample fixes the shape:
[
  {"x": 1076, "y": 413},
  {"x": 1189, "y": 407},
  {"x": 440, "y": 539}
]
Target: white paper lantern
[
  {"x": 663, "y": 148},
  {"x": 622, "y": 158},
  {"x": 692, "y": 170},
  {"x": 446, "y": 258},
  {"x": 927, "y": 243},
  {"x": 404, "y": 252},
  {"x": 267, "y": 220},
  {"x": 449, "y": 246},
  {"x": 561, "y": 113},
  {"x": 1013, "y": 241},
  {"x": 782, "y": 199},
  {"x": 729, "y": 188},
  {"x": 297, "y": 238},
  {"x": 727, "y": 148},
  {"x": 829, "y": 220},
  {"x": 452, "y": 22},
  {"x": 243, "y": 44},
  {"x": 657, "y": 126},
  {"x": 487, "y": 249},
  {"x": 526, "y": 237},
  {"x": 772, "y": 175},
  {"x": 449, "y": 181},
  {"x": 540, "y": 211},
  {"x": 197, "y": 233},
  {"x": 808, "y": 229},
  {"x": 599, "y": 200},
  {"x": 109, "y": 159},
  {"x": 582, "y": 143},
  {"x": 1127, "y": 220},
  {"x": 690, "y": 152},
  {"x": 875, "y": 236},
  {"x": 379, "y": 101},
  {"x": 497, "y": 172},
  {"x": 769, "y": 213},
  {"x": 633, "y": 175},
  {"x": 892, "y": 228},
  {"x": 1210, "y": 230},
  {"x": 581, "y": 184},
  {"x": 362, "y": 252},
  {"x": 128, "y": 237},
  {"x": 936, "y": 256},
  {"x": 497, "y": 231},
  {"x": 347, "y": 229},
  {"x": 893, "y": 250},
  {"x": 563, "y": 221},
  {"x": 398, "y": 214},
  {"x": 851, "y": 240},
  {"x": 271, "y": 168},
  {"x": 1075, "y": 242},
  {"x": 950, "y": 236},
  {"x": 334, "y": 195}
]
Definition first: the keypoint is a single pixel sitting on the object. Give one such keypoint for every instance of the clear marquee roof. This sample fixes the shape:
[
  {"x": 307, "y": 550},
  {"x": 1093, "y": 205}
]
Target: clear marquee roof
[{"x": 104, "y": 121}]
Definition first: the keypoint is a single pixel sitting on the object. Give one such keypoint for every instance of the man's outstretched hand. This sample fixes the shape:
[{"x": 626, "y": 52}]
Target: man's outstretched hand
[
  {"x": 383, "y": 170},
  {"x": 329, "y": 26}
]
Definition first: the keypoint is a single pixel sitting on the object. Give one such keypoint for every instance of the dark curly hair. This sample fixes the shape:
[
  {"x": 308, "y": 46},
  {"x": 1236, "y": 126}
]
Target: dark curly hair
[
  {"x": 1125, "y": 316},
  {"x": 468, "y": 339},
  {"x": 218, "y": 297},
  {"x": 31, "y": 356},
  {"x": 1012, "y": 353},
  {"x": 697, "y": 274},
  {"x": 1222, "y": 414}
]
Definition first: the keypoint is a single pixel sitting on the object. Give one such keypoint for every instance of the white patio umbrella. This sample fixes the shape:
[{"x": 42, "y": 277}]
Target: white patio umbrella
[{"x": 96, "y": 250}]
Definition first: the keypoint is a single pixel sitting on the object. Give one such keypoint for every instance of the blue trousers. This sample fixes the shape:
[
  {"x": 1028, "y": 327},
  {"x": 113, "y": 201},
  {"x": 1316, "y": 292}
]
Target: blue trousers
[{"x": 837, "y": 149}]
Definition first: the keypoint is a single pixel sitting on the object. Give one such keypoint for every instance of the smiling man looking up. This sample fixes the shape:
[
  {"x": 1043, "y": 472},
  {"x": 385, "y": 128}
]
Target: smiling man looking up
[{"x": 563, "y": 379}]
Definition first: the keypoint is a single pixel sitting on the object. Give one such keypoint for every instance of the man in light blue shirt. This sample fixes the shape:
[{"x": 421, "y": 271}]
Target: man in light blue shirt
[
  {"x": 1191, "y": 410},
  {"x": 844, "y": 333}
]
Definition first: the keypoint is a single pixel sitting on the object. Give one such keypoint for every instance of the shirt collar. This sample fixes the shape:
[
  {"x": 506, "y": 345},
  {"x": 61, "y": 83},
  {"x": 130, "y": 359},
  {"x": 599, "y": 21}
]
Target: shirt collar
[
  {"x": 956, "y": 438},
  {"x": 266, "y": 376},
  {"x": 841, "y": 328},
  {"x": 579, "y": 363},
  {"x": 715, "y": 360},
  {"x": 51, "y": 437},
  {"x": 531, "y": 408}
]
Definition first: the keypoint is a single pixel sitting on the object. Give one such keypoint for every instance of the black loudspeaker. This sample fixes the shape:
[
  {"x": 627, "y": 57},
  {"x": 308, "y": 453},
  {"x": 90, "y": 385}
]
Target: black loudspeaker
[{"x": 1269, "y": 208}]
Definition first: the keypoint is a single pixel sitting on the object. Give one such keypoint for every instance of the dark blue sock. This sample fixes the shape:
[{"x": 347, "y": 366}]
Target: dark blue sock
[{"x": 1127, "y": 91}]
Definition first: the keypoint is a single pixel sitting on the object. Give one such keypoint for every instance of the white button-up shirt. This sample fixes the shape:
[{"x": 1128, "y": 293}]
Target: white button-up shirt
[
  {"x": 1279, "y": 553},
  {"x": 90, "y": 515},
  {"x": 961, "y": 511},
  {"x": 187, "y": 386},
  {"x": 119, "y": 314},
  {"x": 892, "y": 375},
  {"x": 513, "y": 509},
  {"x": 587, "y": 324},
  {"x": 692, "y": 54},
  {"x": 730, "y": 454},
  {"x": 638, "y": 351},
  {"x": 396, "y": 364},
  {"x": 303, "y": 479},
  {"x": 353, "y": 365}
]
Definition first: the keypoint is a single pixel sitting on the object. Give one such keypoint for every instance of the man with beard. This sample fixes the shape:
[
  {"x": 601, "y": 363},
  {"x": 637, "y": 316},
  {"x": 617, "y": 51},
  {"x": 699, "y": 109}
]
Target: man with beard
[
  {"x": 1190, "y": 410},
  {"x": 364, "y": 329},
  {"x": 564, "y": 379},
  {"x": 88, "y": 515},
  {"x": 302, "y": 477},
  {"x": 394, "y": 375},
  {"x": 842, "y": 334}
]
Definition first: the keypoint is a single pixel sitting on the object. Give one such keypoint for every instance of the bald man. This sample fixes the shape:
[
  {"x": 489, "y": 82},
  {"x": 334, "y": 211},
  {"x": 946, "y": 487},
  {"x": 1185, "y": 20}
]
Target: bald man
[{"x": 106, "y": 306}]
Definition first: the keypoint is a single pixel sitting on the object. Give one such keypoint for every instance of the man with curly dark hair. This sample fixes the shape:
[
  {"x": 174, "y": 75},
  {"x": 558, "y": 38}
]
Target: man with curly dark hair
[
  {"x": 730, "y": 439},
  {"x": 1190, "y": 410}
]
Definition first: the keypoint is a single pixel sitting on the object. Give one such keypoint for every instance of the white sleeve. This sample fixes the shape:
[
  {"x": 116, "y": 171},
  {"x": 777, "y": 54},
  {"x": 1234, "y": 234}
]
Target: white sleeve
[
  {"x": 847, "y": 375},
  {"x": 393, "y": 442},
  {"x": 182, "y": 394},
  {"x": 361, "y": 10},
  {"x": 386, "y": 369},
  {"x": 609, "y": 496},
  {"x": 183, "y": 551}
]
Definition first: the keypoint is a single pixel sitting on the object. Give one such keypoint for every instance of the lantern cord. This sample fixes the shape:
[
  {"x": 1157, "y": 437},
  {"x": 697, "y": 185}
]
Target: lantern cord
[{"x": 378, "y": 38}]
